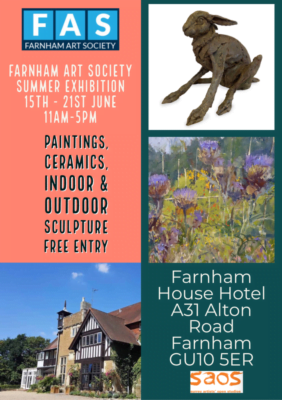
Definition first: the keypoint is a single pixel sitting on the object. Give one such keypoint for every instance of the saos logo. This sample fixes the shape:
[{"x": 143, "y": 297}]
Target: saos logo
[
  {"x": 70, "y": 29},
  {"x": 216, "y": 382}
]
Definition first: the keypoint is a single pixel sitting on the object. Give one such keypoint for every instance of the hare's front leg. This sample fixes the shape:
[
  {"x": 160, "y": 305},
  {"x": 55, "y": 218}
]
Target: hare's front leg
[
  {"x": 183, "y": 89},
  {"x": 218, "y": 60}
]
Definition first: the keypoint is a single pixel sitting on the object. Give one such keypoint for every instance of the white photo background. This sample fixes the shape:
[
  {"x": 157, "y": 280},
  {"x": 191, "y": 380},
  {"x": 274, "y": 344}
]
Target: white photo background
[{"x": 172, "y": 63}]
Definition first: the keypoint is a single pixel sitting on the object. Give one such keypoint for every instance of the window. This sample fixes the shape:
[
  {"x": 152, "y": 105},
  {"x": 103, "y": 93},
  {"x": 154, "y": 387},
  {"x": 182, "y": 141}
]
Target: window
[
  {"x": 74, "y": 330},
  {"x": 89, "y": 375},
  {"x": 84, "y": 368},
  {"x": 40, "y": 356},
  {"x": 98, "y": 337},
  {"x": 51, "y": 354},
  {"x": 92, "y": 339},
  {"x": 63, "y": 369}
]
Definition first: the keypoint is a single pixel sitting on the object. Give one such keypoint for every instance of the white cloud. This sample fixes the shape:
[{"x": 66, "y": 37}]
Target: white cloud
[
  {"x": 55, "y": 333},
  {"x": 103, "y": 268},
  {"x": 76, "y": 275},
  {"x": 42, "y": 334}
]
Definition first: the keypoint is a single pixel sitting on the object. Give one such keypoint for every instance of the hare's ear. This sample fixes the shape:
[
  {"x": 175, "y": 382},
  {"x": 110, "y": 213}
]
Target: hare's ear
[{"x": 216, "y": 19}]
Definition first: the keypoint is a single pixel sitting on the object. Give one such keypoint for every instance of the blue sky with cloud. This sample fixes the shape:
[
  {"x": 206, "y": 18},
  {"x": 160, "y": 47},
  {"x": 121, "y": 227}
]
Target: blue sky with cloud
[{"x": 32, "y": 294}]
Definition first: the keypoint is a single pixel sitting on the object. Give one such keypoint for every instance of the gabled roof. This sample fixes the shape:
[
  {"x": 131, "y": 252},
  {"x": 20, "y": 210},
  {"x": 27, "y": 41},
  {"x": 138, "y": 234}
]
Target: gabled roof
[
  {"x": 112, "y": 326},
  {"x": 52, "y": 345},
  {"x": 130, "y": 314}
]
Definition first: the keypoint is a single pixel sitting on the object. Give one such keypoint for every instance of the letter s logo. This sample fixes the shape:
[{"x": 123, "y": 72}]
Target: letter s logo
[
  {"x": 238, "y": 381},
  {"x": 193, "y": 375},
  {"x": 103, "y": 25}
]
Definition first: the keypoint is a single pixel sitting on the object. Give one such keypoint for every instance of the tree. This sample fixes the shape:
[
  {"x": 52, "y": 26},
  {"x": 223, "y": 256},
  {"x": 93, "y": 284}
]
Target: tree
[{"x": 17, "y": 354}]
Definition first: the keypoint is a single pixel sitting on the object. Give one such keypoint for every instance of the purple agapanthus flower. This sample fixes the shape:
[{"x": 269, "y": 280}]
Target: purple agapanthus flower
[
  {"x": 185, "y": 198},
  {"x": 237, "y": 186},
  {"x": 198, "y": 216},
  {"x": 262, "y": 160},
  {"x": 157, "y": 180},
  {"x": 185, "y": 193},
  {"x": 195, "y": 220},
  {"x": 209, "y": 145},
  {"x": 219, "y": 162},
  {"x": 159, "y": 186},
  {"x": 258, "y": 170},
  {"x": 209, "y": 152},
  {"x": 161, "y": 247}
]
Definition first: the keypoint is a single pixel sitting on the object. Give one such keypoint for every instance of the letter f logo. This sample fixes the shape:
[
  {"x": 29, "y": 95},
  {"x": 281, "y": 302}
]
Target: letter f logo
[{"x": 37, "y": 24}]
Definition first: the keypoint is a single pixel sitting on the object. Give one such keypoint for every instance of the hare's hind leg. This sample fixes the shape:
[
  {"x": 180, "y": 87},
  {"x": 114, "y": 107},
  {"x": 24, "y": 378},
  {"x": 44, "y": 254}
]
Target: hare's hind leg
[
  {"x": 203, "y": 80},
  {"x": 244, "y": 82}
]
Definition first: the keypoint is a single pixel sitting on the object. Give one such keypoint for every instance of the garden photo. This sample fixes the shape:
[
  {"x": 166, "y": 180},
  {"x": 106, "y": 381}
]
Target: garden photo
[{"x": 211, "y": 200}]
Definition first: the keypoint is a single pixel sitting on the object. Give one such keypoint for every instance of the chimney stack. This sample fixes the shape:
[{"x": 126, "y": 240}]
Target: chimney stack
[{"x": 84, "y": 306}]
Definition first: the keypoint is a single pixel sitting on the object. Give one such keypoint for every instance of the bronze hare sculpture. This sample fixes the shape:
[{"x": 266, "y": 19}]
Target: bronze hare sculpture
[{"x": 225, "y": 56}]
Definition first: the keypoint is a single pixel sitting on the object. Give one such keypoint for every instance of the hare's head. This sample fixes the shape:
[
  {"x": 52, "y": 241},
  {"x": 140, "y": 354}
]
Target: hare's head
[{"x": 200, "y": 22}]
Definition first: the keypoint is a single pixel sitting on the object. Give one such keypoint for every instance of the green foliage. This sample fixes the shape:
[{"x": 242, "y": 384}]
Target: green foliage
[
  {"x": 103, "y": 395},
  {"x": 74, "y": 374},
  {"x": 17, "y": 354},
  {"x": 7, "y": 387},
  {"x": 107, "y": 379},
  {"x": 125, "y": 357},
  {"x": 33, "y": 387},
  {"x": 91, "y": 394},
  {"x": 136, "y": 370},
  {"x": 46, "y": 383}
]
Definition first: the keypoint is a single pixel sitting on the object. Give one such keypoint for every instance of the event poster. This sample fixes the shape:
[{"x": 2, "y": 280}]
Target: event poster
[{"x": 139, "y": 155}]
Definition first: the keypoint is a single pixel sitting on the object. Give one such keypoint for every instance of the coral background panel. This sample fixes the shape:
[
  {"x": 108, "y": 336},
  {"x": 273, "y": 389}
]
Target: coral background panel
[{"x": 22, "y": 152}]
